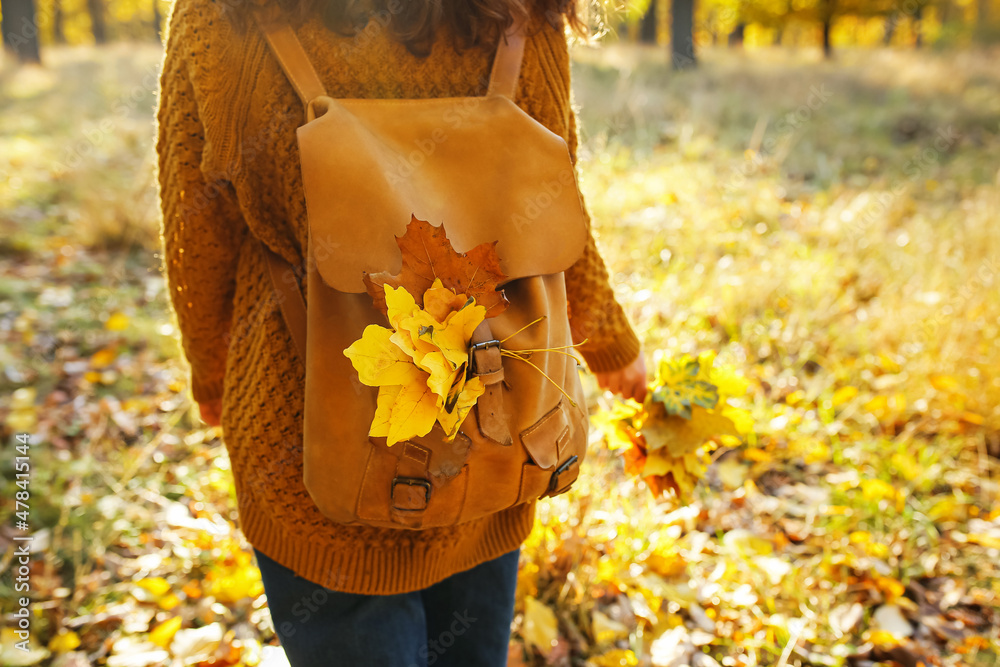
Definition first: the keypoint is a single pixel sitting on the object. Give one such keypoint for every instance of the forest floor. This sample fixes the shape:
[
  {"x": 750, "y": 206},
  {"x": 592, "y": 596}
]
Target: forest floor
[{"x": 828, "y": 229}]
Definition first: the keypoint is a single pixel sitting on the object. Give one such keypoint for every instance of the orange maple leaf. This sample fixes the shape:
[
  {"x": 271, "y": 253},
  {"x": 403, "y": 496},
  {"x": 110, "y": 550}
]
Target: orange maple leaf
[{"x": 428, "y": 254}]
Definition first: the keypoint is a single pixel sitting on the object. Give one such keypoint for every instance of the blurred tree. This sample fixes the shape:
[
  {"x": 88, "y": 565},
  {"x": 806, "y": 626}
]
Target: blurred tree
[
  {"x": 97, "y": 22},
  {"x": 827, "y": 9},
  {"x": 58, "y": 18},
  {"x": 20, "y": 30},
  {"x": 157, "y": 20},
  {"x": 647, "y": 28},
  {"x": 682, "y": 54},
  {"x": 735, "y": 38}
]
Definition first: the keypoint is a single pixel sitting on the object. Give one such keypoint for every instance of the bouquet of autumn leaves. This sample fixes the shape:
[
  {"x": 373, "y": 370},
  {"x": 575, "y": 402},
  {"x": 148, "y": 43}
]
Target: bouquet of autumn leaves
[
  {"x": 668, "y": 438},
  {"x": 419, "y": 365},
  {"x": 420, "y": 362}
]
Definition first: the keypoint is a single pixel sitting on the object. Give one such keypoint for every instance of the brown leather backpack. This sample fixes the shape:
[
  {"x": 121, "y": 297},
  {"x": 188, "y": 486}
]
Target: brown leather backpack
[{"x": 486, "y": 171}]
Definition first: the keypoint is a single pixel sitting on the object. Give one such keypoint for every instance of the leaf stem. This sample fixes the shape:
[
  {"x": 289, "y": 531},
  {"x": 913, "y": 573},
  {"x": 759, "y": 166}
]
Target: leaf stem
[
  {"x": 508, "y": 353},
  {"x": 536, "y": 321}
]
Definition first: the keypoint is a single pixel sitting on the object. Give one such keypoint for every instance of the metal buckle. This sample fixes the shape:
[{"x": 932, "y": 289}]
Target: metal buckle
[
  {"x": 554, "y": 480},
  {"x": 476, "y": 347},
  {"x": 411, "y": 481}
]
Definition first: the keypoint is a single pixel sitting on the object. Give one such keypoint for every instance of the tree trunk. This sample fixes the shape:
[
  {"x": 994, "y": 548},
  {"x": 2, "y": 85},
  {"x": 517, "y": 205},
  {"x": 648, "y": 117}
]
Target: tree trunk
[
  {"x": 890, "y": 29},
  {"x": 736, "y": 36},
  {"x": 97, "y": 24},
  {"x": 945, "y": 9},
  {"x": 682, "y": 54},
  {"x": 58, "y": 21},
  {"x": 157, "y": 21},
  {"x": 20, "y": 30},
  {"x": 918, "y": 16},
  {"x": 827, "y": 10},
  {"x": 827, "y": 46},
  {"x": 647, "y": 28}
]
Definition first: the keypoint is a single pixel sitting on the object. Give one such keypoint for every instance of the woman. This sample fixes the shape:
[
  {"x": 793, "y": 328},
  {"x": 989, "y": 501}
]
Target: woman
[{"x": 229, "y": 175}]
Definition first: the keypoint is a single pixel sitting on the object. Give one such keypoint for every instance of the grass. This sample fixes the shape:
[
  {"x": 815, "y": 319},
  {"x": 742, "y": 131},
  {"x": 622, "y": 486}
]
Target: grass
[{"x": 827, "y": 228}]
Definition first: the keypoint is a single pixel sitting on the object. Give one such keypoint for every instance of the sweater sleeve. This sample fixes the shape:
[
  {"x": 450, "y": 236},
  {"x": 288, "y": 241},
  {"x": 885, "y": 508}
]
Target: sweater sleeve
[
  {"x": 595, "y": 315},
  {"x": 202, "y": 226}
]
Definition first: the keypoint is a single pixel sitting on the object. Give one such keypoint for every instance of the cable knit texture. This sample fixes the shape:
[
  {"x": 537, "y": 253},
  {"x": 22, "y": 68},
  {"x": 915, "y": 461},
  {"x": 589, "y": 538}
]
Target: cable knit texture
[{"x": 228, "y": 174}]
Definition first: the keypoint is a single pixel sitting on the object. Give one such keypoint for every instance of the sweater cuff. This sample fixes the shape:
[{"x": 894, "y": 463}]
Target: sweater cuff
[
  {"x": 204, "y": 391},
  {"x": 615, "y": 355}
]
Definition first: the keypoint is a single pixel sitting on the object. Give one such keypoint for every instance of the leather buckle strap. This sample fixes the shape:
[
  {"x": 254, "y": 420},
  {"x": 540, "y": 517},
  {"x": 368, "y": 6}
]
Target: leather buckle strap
[
  {"x": 554, "y": 484},
  {"x": 484, "y": 345},
  {"x": 409, "y": 497},
  {"x": 484, "y": 364}
]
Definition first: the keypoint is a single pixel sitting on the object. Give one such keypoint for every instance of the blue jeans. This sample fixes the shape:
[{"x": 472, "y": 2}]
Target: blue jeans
[{"x": 463, "y": 620}]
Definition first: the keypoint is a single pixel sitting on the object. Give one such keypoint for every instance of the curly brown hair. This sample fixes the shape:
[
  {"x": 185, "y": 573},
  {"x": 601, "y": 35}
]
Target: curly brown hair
[{"x": 475, "y": 23}]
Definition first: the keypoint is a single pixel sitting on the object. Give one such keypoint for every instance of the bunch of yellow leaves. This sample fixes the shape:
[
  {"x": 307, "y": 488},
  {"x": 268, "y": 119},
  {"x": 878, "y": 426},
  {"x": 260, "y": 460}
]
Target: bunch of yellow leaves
[
  {"x": 420, "y": 364},
  {"x": 667, "y": 439}
]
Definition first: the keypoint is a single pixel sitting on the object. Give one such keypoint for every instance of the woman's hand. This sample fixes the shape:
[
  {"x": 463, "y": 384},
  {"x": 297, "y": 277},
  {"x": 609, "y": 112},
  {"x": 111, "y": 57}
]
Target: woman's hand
[
  {"x": 211, "y": 411},
  {"x": 628, "y": 382}
]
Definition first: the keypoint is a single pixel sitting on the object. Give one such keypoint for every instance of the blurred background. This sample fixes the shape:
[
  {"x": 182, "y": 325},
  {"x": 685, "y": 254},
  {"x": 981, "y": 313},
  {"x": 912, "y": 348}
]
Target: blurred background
[{"x": 803, "y": 195}]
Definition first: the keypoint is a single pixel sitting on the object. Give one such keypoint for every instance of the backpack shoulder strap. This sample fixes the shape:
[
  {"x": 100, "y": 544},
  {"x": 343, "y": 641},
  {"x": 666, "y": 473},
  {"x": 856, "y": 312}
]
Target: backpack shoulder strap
[
  {"x": 295, "y": 62},
  {"x": 507, "y": 62},
  {"x": 293, "y": 59}
]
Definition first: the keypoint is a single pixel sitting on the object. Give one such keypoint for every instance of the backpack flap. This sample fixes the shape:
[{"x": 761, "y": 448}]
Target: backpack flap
[{"x": 480, "y": 166}]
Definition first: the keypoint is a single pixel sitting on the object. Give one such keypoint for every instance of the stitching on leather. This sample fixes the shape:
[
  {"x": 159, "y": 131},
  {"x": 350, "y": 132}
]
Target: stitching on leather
[
  {"x": 541, "y": 422},
  {"x": 359, "y": 504},
  {"x": 479, "y": 423},
  {"x": 422, "y": 454},
  {"x": 490, "y": 377},
  {"x": 414, "y": 100}
]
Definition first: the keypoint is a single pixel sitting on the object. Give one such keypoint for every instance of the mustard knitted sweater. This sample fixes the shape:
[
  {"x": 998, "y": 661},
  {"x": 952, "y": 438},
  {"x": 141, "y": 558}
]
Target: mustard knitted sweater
[{"x": 228, "y": 174}]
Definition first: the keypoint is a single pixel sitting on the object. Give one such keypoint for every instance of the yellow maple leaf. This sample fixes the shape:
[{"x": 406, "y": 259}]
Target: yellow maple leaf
[
  {"x": 540, "y": 628},
  {"x": 451, "y": 420},
  {"x": 729, "y": 382},
  {"x": 400, "y": 304},
  {"x": 65, "y": 641},
  {"x": 680, "y": 435},
  {"x": 155, "y": 585},
  {"x": 379, "y": 361},
  {"x": 443, "y": 374},
  {"x": 164, "y": 633},
  {"x": 413, "y": 413},
  {"x": 415, "y": 349},
  {"x": 452, "y": 336},
  {"x": 383, "y": 411},
  {"x": 117, "y": 322},
  {"x": 420, "y": 364}
]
